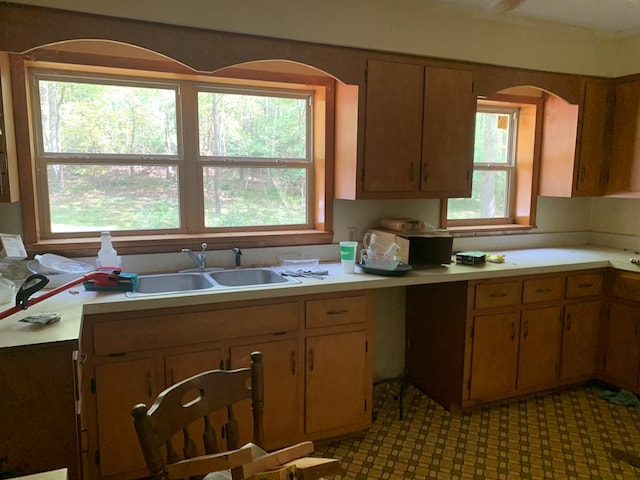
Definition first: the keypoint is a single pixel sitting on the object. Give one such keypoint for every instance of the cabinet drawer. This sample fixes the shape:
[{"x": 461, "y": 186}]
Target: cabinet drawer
[
  {"x": 542, "y": 289},
  {"x": 627, "y": 286},
  {"x": 497, "y": 294},
  {"x": 174, "y": 330},
  {"x": 584, "y": 285},
  {"x": 336, "y": 311}
]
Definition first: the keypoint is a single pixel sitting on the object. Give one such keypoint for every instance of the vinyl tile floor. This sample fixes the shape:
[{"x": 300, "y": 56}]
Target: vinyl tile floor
[{"x": 572, "y": 433}]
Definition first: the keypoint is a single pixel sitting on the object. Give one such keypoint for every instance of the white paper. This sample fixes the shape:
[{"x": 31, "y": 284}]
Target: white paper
[{"x": 13, "y": 246}]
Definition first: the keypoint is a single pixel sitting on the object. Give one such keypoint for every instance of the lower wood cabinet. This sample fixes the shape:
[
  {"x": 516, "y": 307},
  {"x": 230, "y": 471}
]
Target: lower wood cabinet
[
  {"x": 118, "y": 386},
  {"x": 494, "y": 357},
  {"x": 623, "y": 345},
  {"x": 580, "y": 333},
  {"x": 337, "y": 382},
  {"x": 315, "y": 351},
  {"x": 538, "y": 360},
  {"x": 281, "y": 390},
  {"x": 503, "y": 337},
  {"x": 38, "y": 409},
  {"x": 622, "y": 355}
]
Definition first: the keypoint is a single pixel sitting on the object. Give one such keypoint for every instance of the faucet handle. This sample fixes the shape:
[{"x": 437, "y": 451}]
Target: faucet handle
[
  {"x": 238, "y": 253},
  {"x": 204, "y": 247}
]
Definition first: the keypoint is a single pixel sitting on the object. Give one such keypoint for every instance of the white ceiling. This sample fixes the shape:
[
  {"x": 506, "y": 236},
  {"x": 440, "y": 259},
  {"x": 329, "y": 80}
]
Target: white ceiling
[{"x": 619, "y": 17}]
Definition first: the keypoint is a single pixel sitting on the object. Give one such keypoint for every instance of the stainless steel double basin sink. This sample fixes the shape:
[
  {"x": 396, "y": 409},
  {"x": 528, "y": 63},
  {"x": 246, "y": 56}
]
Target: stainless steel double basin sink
[{"x": 209, "y": 280}]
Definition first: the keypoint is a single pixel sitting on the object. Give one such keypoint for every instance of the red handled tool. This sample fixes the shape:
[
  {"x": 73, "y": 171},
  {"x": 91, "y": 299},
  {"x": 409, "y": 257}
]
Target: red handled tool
[{"x": 104, "y": 278}]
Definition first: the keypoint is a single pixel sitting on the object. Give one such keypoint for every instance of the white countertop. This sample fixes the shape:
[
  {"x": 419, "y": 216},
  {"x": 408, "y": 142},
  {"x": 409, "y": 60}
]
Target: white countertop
[{"x": 71, "y": 304}]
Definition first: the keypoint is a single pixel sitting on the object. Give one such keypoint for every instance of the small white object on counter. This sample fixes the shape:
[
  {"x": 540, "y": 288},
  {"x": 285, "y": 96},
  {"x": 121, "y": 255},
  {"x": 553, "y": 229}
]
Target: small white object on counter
[
  {"x": 52, "y": 264},
  {"x": 107, "y": 255}
]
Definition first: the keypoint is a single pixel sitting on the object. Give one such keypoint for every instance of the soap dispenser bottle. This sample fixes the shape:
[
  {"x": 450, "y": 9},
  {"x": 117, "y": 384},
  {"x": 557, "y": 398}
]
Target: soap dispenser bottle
[{"x": 107, "y": 255}]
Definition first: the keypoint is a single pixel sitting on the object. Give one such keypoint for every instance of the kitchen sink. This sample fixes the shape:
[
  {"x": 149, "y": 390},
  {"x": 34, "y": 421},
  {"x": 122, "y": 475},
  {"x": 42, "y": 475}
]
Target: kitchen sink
[
  {"x": 217, "y": 279},
  {"x": 173, "y": 282},
  {"x": 248, "y": 277}
]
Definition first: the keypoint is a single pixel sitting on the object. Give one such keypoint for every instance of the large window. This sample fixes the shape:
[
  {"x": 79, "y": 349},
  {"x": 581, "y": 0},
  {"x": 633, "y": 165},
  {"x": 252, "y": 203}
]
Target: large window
[
  {"x": 255, "y": 148},
  {"x": 505, "y": 167},
  {"x": 141, "y": 156},
  {"x": 493, "y": 170}
]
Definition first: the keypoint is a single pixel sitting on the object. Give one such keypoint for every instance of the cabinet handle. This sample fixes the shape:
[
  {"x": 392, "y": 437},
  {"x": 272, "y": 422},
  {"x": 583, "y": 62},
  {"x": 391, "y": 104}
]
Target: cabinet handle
[
  {"x": 149, "y": 388},
  {"x": 411, "y": 172},
  {"x": 4, "y": 169},
  {"x": 526, "y": 328},
  {"x": 543, "y": 290},
  {"x": 337, "y": 312},
  {"x": 293, "y": 362},
  {"x": 585, "y": 285},
  {"x": 425, "y": 171},
  {"x": 568, "y": 321},
  {"x": 498, "y": 295},
  {"x": 583, "y": 173},
  {"x": 513, "y": 330},
  {"x": 311, "y": 359}
]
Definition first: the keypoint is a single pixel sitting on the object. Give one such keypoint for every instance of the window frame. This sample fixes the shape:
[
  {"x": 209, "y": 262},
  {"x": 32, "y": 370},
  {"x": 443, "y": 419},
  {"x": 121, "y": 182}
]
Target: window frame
[
  {"x": 528, "y": 135},
  {"x": 510, "y": 168},
  {"x": 320, "y": 216},
  {"x": 259, "y": 162}
]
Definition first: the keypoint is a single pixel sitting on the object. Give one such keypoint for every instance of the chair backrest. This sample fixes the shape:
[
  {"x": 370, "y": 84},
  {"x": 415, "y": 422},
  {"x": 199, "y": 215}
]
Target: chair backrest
[{"x": 193, "y": 399}]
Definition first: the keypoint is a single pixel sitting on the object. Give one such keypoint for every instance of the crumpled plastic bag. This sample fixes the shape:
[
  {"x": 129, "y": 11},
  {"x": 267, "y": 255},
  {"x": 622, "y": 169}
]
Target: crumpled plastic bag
[{"x": 622, "y": 397}]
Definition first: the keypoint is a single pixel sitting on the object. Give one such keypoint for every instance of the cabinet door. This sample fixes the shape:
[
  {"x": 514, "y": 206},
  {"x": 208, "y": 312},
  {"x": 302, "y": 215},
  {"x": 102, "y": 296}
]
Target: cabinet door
[
  {"x": 494, "y": 356},
  {"x": 579, "y": 340},
  {"x": 624, "y": 169},
  {"x": 9, "y": 188},
  {"x": 282, "y": 415},
  {"x": 336, "y": 376},
  {"x": 448, "y": 132},
  {"x": 120, "y": 386},
  {"x": 184, "y": 365},
  {"x": 540, "y": 333},
  {"x": 594, "y": 123},
  {"x": 623, "y": 345},
  {"x": 393, "y": 126}
]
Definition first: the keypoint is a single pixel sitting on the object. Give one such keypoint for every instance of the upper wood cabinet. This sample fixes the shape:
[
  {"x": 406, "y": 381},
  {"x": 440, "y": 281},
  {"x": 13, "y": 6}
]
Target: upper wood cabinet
[
  {"x": 9, "y": 188},
  {"x": 624, "y": 171},
  {"x": 415, "y": 138},
  {"x": 574, "y": 141}
]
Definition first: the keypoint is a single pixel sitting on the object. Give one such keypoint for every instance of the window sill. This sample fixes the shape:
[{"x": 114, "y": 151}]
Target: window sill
[
  {"x": 482, "y": 230},
  {"x": 128, "y": 245}
]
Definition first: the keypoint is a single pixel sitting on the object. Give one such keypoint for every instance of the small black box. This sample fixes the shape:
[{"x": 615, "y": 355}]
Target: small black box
[{"x": 470, "y": 258}]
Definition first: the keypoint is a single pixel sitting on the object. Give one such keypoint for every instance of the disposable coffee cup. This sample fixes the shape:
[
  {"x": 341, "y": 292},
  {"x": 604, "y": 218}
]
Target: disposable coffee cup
[{"x": 348, "y": 256}]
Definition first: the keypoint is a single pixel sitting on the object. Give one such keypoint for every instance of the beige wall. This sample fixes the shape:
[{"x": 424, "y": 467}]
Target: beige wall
[{"x": 411, "y": 26}]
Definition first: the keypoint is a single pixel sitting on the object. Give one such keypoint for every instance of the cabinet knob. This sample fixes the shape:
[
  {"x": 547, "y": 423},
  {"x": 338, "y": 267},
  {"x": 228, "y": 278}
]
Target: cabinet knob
[{"x": 513, "y": 330}]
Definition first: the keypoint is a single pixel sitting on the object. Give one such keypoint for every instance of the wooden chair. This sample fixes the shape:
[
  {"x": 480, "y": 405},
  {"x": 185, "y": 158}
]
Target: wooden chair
[{"x": 191, "y": 400}]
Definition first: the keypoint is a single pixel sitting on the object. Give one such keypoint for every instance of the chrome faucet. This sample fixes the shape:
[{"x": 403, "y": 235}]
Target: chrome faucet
[
  {"x": 238, "y": 253},
  {"x": 200, "y": 259}
]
